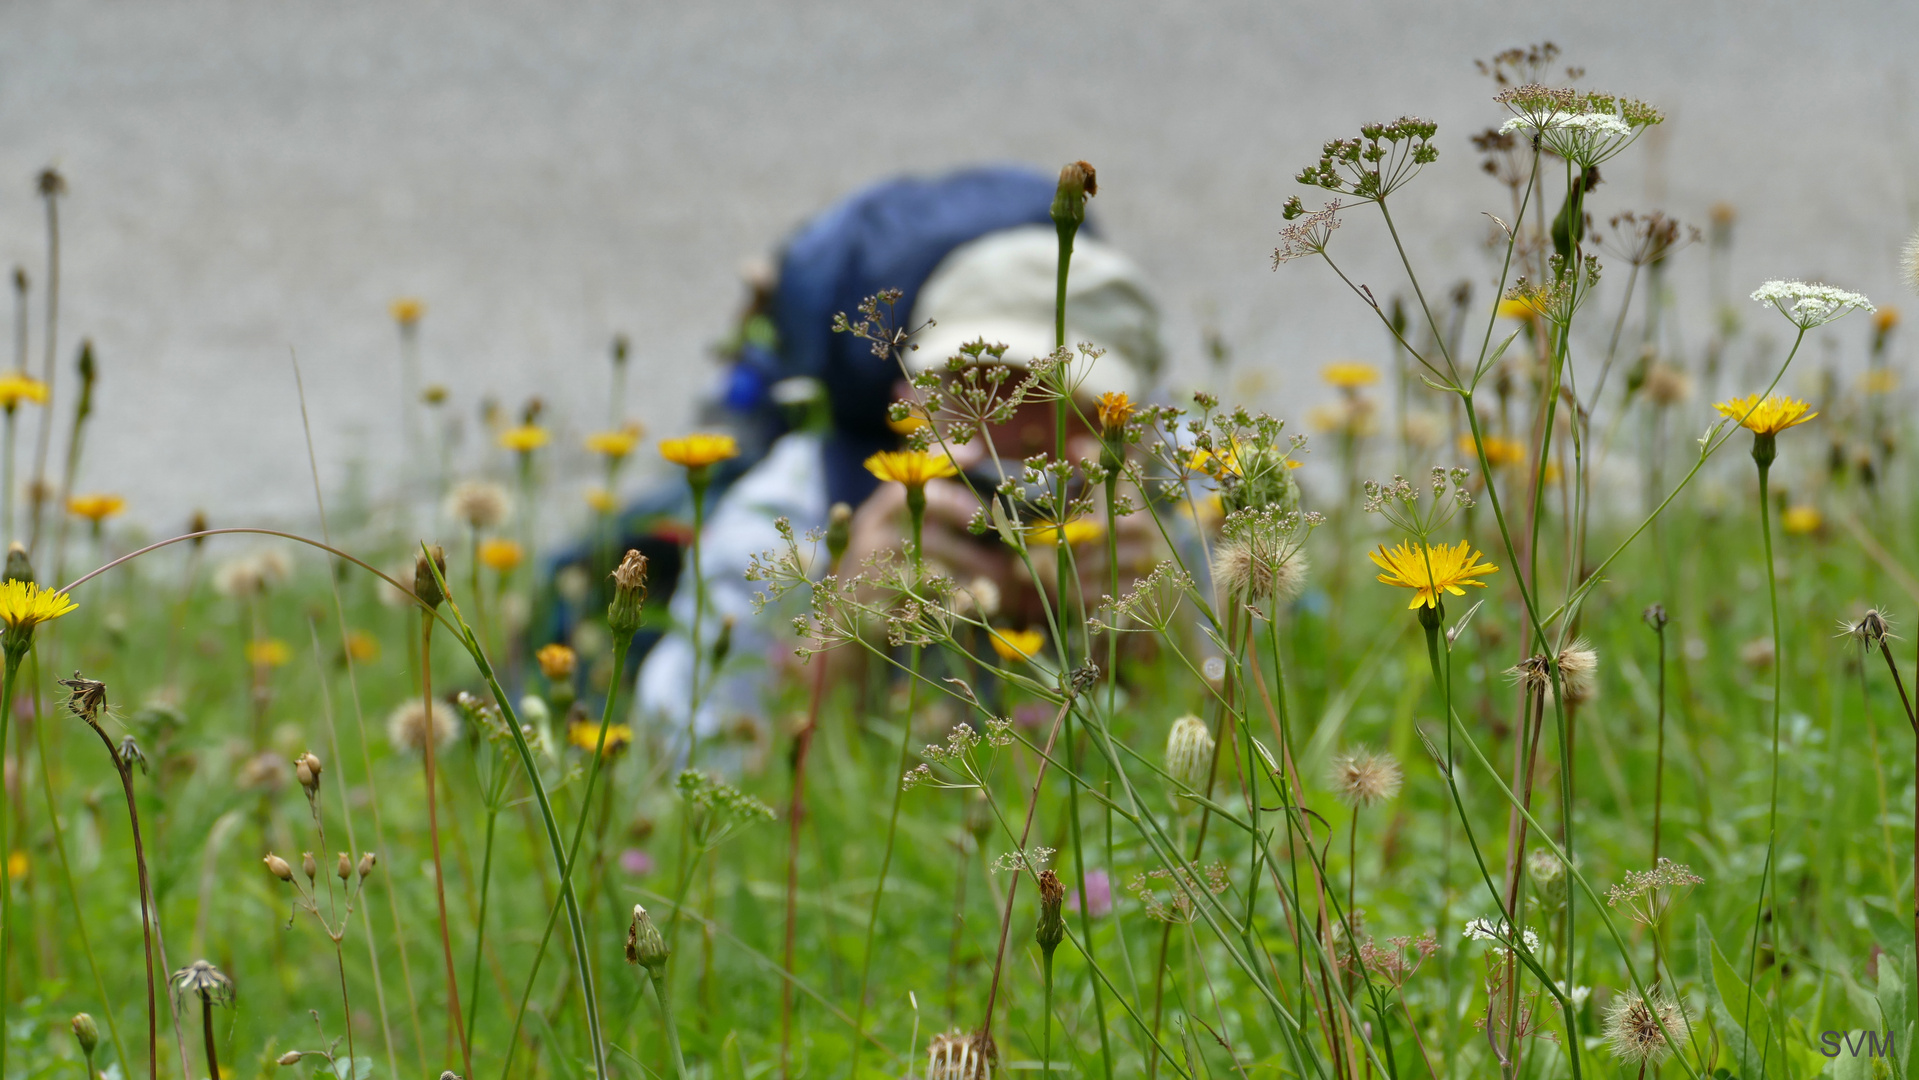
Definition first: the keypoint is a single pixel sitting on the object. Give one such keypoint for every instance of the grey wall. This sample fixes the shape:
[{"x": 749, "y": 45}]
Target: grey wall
[{"x": 249, "y": 177}]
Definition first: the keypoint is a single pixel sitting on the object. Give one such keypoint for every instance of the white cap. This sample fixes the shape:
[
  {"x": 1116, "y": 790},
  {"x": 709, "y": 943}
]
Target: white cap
[{"x": 1001, "y": 287}]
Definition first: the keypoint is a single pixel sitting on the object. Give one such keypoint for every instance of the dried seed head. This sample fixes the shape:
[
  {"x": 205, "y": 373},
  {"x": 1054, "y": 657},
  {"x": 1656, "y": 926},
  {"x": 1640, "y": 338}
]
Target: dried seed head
[
  {"x": 86, "y": 1033},
  {"x": 1189, "y": 753},
  {"x": 204, "y": 981},
  {"x": 1052, "y": 926},
  {"x": 1078, "y": 181},
  {"x": 345, "y": 868},
  {"x": 1578, "y": 671},
  {"x": 366, "y": 864},
  {"x": 308, "y": 770},
  {"x": 644, "y": 945},
  {"x": 310, "y": 866},
  {"x": 278, "y": 867},
  {"x": 957, "y": 1055},
  {"x": 629, "y": 594},
  {"x": 1242, "y": 569},
  {"x": 479, "y": 504},
  {"x": 425, "y": 585},
  {"x": 1634, "y": 1023},
  {"x": 1872, "y": 628},
  {"x": 1362, "y": 778}
]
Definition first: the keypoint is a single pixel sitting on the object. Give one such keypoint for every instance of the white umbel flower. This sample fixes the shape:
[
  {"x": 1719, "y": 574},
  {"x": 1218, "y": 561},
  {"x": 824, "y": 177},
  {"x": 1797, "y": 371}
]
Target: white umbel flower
[{"x": 1809, "y": 304}]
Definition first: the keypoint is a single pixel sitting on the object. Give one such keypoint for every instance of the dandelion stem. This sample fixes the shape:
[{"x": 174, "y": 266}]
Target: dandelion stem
[
  {"x": 1762, "y": 456},
  {"x": 1046, "y": 1015},
  {"x": 12, "y": 675},
  {"x": 206, "y": 1031},
  {"x": 666, "y": 1020}
]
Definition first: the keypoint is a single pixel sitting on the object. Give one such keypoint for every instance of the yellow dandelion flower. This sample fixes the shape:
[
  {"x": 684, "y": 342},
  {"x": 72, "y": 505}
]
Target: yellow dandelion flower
[
  {"x": 696, "y": 451},
  {"x": 1115, "y": 408},
  {"x": 910, "y": 467},
  {"x": 95, "y": 508},
  {"x": 1801, "y": 520},
  {"x": 1500, "y": 451},
  {"x": 1430, "y": 570},
  {"x": 1881, "y": 380},
  {"x": 524, "y": 439},
  {"x": 1349, "y": 374},
  {"x": 24, "y": 605},
  {"x": 1885, "y": 319},
  {"x": 18, "y": 386},
  {"x": 363, "y": 647},
  {"x": 503, "y": 556},
  {"x": 268, "y": 652},
  {"x": 1079, "y": 532},
  {"x": 585, "y": 734},
  {"x": 16, "y": 866},
  {"x": 614, "y": 444},
  {"x": 407, "y": 310},
  {"x": 1768, "y": 416},
  {"x": 914, "y": 420},
  {"x": 557, "y": 661},
  {"x": 1514, "y": 307},
  {"x": 1206, "y": 511},
  {"x": 601, "y": 500},
  {"x": 1018, "y": 645}
]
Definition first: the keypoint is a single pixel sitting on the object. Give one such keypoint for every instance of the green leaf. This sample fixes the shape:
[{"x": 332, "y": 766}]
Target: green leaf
[
  {"x": 1732, "y": 1000},
  {"x": 1895, "y": 1002}
]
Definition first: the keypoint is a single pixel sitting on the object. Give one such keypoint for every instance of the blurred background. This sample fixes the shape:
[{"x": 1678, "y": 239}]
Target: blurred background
[{"x": 246, "y": 180}]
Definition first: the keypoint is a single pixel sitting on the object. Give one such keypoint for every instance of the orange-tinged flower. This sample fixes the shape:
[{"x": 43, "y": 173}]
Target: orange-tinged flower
[
  {"x": 1018, "y": 645},
  {"x": 1430, "y": 570},
  {"x": 18, "y": 386},
  {"x": 407, "y": 310},
  {"x": 268, "y": 652},
  {"x": 96, "y": 507},
  {"x": 501, "y": 555},
  {"x": 1766, "y": 416},
  {"x": 1115, "y": 408},
  {"x": 699, "y": 450},
  {"x": 614, "y": 444},
  {"x": 524, "y": 439},
  {"x": 1801, "y": 520},
  {"x": 911, "y": 467},
  {"x": 1079, "y": 531},
  {"x": 1885, "y": 319},
  {"x": 1500, "y": 451},
  {"x": 557, "y": 661},
  {"x": 1349, "y": 374},
  {"x": 363, "y": 647},
  {"x": 601, "y": 500}
]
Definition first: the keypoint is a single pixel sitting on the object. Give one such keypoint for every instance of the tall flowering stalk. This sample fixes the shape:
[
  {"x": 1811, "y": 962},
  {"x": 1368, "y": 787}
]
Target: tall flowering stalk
[{"x": 698, "y": 454}]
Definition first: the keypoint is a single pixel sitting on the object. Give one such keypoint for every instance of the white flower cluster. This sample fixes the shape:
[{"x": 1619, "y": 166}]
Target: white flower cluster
[
  {"x": 1584, "y": 138},
  {"x": 1594, "y": 125},
  {"x": 1501, "y": 931},
  {"x": 1809, "y": 304}
]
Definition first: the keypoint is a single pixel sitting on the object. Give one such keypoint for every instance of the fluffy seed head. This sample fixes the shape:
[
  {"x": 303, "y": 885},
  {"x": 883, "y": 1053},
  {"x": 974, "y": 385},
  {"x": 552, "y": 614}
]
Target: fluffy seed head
[
  {"x": 1189, "y": 752},
  {"x": 1242, "y": 569},
  {"x": 1909, "y": 263},
  {"x": 1362, "y": 778},
  {"x": 479, "y": 504},
  {"x": 410, "y": 724},
  {"x": 960, "y": 1055},
  {"x": 1634, "y": 1023},
  {"x": 1578, "y": 671}
]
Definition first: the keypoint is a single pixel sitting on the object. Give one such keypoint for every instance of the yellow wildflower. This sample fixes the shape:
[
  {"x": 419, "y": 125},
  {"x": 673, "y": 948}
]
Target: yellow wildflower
[
  {"x": 557, "y": 661},
  {"x": 16, "y": 866},
  {"x": 601, "y": 500},
  {"x": 914, "y": 420},
  {"x": 1500, "y": 451},
  {"x": 524, "y": 439},
  {"x": 268, "y": 652},
  {"x": 1430, "y": 570},
  {"x": 1881, "y": 380},
  {"x": 614, "y": 444},
  {"x": 1018, "y": 645},
  {"x": 1349, "y": 374},
  {"x": 1801, "y": 520},
  {"x": 95, "y": 508},
  {"x": 24, "y": 605},
  {"x": 695, "y": 451},
  {"x": 18, "y": 386},
  {"x": 407, "y": 310},
  {"x": 585, "y": 734},
  {"x": 1079, "y": 531},
  {"x": 910, "y": 467},
  {"x": 1884, "y": 320},
  {"x": 1768, "y": 416},
  {"x": 362, "y": 647},
  {"x": 1115, "y": 408},
  {"x": 501, "y": 555},
  {"x": 1514, "y": 307}
]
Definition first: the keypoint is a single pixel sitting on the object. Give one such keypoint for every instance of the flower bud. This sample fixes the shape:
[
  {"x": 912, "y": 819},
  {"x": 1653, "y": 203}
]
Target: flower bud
[
  {"x": 345, "y": 869},
  {"x": 629, "y": 594},
  {"x": 19, "y": 569},
  {"x": 1077, "y": 183},
  {"x": 308, "y": 770},
  {"x": 87, "y": 1033},
  {"x": 310, "y": 866},
  {"x": 644, "y": 945},
  {"x": 1189, "y": 753},
  {"x": 723, "y": 644},
  {"x": 279, "y": 868},
  {"x": 366, "y": 864},
  {"x": 425, "y": 585},
  {"x": 291, "y": 1057},
  {"x": 1052, "y": 925},
  {"x": 839, "y": 531}
]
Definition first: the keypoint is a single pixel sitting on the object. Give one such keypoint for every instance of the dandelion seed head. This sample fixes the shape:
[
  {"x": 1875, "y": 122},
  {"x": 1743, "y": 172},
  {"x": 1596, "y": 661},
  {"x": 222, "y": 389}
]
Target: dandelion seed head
[
  {"x": 407, "y": 728},
  {"x": 1362, "y": 778},
  {"x": 479, "y": 504},
  {"x": 1634, "y": 1023}
]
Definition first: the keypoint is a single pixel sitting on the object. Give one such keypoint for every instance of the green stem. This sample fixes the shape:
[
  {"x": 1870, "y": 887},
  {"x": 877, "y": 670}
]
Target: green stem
[
  {"x": 666, "y": 1020},
  {"x": 696, "y": 479},
  {"x": 1046, "y": 1015},
  {"x": 886, "y": 860},
  {"x": 13, "y": 658},
  {"x": 479, "y": 930},
  {"x": 1762, "y": 456}
]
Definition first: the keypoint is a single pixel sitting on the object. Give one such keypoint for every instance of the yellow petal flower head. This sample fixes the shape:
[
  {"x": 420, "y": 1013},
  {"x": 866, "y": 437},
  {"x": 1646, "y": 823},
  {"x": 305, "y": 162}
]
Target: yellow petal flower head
[
  {"x": 1349, "y": 374},
  {"x": 407, "y": 310},
  {"x": 601, "y": 500},
  {"x": 1430, "y": 570},
  {"x": 1500, "y": 451},
  {"x": 18, "y": 386},
  {"x": 524, "y": 439},
  {"x": 1517, "y": 307},
  {"x": 911, "y": 419},
  {"x": 1079, "y": 532},
  {"x": 1801, "y": 520},
  {"x": 96, "y": 507},
  {"x": 24, "y": 605},
  {"x": 911, "y": 467},
  {"x": 1115, "y": 408},
  {"x": 268, "y": 652},
  {"x": 1018, "y": 646},
  {"x": 502, "y": 556},
  {"x": 1768, "y": 416},
  {"x": 614, "y": 444},
  {"x": 363, "y": 647},
  {"x": 699, "y": 450},
  {"x": 585, "y": 734}
]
